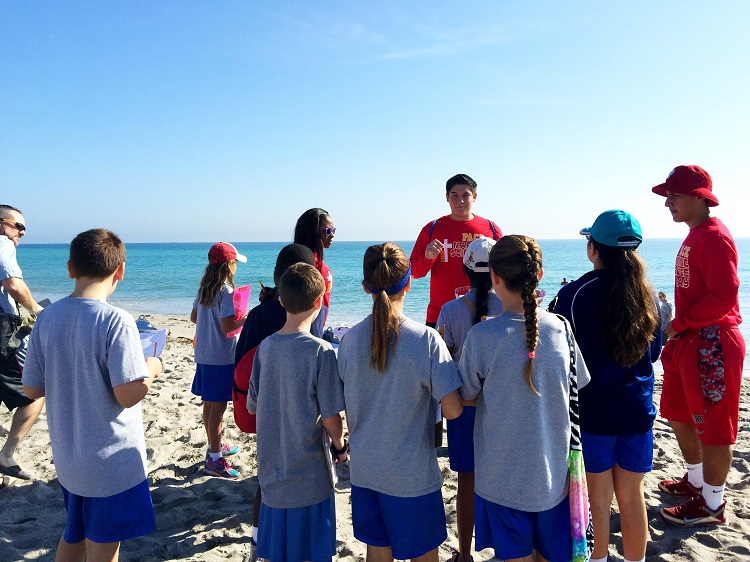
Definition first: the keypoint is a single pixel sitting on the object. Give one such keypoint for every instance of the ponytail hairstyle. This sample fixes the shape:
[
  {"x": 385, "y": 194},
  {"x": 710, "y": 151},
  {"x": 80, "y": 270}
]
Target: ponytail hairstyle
[
  {"x": 482, "y": 282},
  {"x": 215, "y": 276},
  {"x": 307, "y": 233},
  {"x": 386, "y": 272},
  {"x": 628, "y": 305},
  {"x": 517, "y": 260}
]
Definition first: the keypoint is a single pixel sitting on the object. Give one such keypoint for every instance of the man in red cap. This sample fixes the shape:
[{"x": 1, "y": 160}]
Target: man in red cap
[{"x": 705, "y": 352}]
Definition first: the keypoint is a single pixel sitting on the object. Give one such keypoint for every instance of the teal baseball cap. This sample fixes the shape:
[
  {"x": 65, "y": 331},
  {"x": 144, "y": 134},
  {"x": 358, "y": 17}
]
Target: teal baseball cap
[{"x": 615, "y": 228}]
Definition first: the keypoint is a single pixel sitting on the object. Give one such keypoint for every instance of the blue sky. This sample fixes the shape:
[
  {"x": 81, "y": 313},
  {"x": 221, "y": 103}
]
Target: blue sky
[{"x": 201, "y": 121}]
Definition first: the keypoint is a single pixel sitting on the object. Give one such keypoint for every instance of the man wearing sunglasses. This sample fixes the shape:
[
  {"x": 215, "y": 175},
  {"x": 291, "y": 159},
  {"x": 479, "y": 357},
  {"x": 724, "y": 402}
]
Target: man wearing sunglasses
[{"x": 14, "y": 292}]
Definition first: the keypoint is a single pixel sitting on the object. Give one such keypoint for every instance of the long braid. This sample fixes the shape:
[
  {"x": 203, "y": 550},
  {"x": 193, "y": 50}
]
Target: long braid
[
  {"x": 528, "y": 294},
  {"x": 517, "y": 260}
]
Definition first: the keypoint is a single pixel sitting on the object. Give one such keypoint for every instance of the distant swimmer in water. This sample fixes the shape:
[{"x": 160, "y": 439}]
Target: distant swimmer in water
[{"x": 564, "y": 281}]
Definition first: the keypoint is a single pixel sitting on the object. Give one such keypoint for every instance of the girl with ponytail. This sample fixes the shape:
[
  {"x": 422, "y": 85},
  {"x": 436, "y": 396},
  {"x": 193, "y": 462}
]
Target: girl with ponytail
[
  {"x": 395, "y": 371},
  {"x": 516, "y": 367}
]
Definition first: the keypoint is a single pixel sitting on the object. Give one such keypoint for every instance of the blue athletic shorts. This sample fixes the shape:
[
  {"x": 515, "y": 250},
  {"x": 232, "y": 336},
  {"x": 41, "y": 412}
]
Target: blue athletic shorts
[
  {"x": 213, "y": 383},
  {"x": 461, "y": 440},
  {"x": 117, "y": 518},
  {"x": 514, "y": 533},
  {"x": 299, "y": 533},
  {"x": 634, "y": 453},
  {"x": 410, "y": 526}
]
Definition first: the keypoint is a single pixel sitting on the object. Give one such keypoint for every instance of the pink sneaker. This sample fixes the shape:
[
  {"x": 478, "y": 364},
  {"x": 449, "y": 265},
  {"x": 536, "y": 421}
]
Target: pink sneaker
[
  {"x": 220, "y": 468},
  {"x": 694, "y": 512}
]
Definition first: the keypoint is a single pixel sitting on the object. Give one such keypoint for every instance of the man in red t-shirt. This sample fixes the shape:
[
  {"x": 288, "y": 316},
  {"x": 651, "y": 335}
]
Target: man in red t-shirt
[
  {"x": 704, "y": 356},
  {"x": 441, "y": 243}
]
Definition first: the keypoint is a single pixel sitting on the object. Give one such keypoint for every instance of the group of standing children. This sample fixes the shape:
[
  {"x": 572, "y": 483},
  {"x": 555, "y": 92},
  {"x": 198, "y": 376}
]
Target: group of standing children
[
  {"x": 390, "y": 375},
  {"x": 507, "y": 387}
]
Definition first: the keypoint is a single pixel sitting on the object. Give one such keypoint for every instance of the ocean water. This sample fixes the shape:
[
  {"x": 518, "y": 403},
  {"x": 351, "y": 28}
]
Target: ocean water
[{"x": 163, "y": 278}]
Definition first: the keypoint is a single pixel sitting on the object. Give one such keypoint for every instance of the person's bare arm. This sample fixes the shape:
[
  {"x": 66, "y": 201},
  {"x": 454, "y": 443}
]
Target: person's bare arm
[
  {"x": 32, "y": 392},
  {"x": 130, "y": 393},
  {"x": 19, "y": 290},
  {"x": 452, "y": 405},
  {"x": 194, "y": 316},
  {"x": 335, "y": 430},
  {"x": 230, "y": 324}
]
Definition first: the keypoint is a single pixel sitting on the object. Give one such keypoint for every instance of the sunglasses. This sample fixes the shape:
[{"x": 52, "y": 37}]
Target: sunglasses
[
  {"x": 328, "y": 230},
  {"x": 20, "y": 227}
]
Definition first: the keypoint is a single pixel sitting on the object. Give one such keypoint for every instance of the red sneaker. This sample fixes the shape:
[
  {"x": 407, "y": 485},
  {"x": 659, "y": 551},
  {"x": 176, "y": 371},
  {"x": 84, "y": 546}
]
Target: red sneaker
[
  {"x": 680, "y": 488},
  {"x": 694, "y": 512}
]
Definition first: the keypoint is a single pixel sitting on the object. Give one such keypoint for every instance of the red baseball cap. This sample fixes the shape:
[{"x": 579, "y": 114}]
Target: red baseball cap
[
  {"x": 688, "y": 180},
  {"x": 223, "y": 252}
]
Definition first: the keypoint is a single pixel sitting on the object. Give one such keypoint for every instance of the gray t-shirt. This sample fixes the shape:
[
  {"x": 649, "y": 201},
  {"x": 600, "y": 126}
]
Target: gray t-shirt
[
  {"x": 8, "y": 269},
  {"x": 391, "y": 415},
  {"x": 80, "y": 349},
  {"x": 293, "y": 385},
  {"x": 521, "y": 440},
  {"x": 212, "y": 346},
  {"x": 456, "y": 319}
]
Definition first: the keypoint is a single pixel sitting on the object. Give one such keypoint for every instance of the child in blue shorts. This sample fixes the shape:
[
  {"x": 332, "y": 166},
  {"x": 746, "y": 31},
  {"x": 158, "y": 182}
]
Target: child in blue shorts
[
  {"x": 615, "y": 319},
  {"x": 214, "y": 317},
  {"x": 517, "y": 368},
  {"x": 395, "y": 370},
  {"x": 85, "y": 356},
  {"x": 456, "y": 319},
  {"x": 265, "y": 319},
  {"x": 297, "y": 396}
]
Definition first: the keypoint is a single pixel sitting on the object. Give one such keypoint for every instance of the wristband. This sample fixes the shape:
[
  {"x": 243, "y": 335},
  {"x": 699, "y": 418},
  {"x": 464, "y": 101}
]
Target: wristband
[{"x": 345, "y": 449}]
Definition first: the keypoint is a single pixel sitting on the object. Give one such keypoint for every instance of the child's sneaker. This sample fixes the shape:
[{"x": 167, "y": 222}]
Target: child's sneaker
[
  {"x": 220, "y": 468},
  {"x": 694, "y": 512},
  {"x": 681, "y": 488},
  {"x": 226, "y": 450},
  {"x": 253, "y": 554}
]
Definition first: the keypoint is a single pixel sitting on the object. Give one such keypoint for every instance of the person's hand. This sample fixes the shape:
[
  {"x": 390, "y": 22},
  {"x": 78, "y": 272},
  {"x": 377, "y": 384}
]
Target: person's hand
[
  {"x": 155, "y": 366},
  {"x": 433, "y": 249},
  {"x": 340, "y": 454},
  {"x": 343, "y": 457},
  {"x": 671, "y": 331}
]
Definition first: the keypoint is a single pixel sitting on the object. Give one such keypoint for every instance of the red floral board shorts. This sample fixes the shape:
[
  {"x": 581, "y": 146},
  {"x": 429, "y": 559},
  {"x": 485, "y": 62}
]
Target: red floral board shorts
[{"x": 702, "y": 382}]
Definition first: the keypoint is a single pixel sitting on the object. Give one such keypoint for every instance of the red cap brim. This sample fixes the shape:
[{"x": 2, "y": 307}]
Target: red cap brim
[{"x": 710, "y": 198}]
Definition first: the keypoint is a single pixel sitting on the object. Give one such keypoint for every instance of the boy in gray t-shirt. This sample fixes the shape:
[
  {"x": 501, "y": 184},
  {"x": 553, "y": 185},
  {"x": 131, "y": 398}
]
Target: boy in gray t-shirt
[
  {"x": 85, "y": 356},
  {"x": 297, "y": 395}
]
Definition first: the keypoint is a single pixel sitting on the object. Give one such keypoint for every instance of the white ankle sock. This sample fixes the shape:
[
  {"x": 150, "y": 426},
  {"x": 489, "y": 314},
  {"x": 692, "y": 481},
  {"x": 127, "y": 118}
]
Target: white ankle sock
[
  {"x": 713, "y": 495},
  {"x": 628, "y": 560},
  {"x": 215, "y": 456},
  {"x": 695, "y": 474},
  {"x": 599, "y": 559},
  {"x": 255, "y": 534}
]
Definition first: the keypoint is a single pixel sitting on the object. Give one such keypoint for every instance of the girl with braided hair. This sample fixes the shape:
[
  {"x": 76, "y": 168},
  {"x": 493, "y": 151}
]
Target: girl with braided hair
[
  {"x": 516, "y": 367},
  {"x": 395, "y": 370}
]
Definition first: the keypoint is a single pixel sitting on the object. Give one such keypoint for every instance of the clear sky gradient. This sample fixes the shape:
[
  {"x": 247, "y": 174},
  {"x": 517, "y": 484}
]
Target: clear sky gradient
[{"x": 202, "y": 121}]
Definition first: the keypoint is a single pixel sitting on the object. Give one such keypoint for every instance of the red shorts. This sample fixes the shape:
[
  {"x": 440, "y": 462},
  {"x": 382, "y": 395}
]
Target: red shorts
[{"x": 702, "y": 382}]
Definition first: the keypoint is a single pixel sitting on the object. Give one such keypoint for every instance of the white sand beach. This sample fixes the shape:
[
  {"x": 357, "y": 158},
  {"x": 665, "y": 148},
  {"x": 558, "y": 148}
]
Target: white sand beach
[{"x": 201, "y": 518}]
